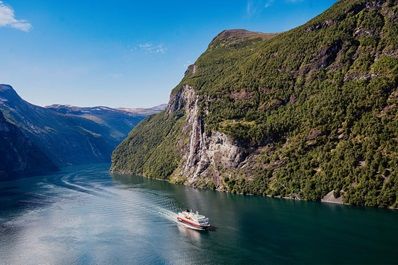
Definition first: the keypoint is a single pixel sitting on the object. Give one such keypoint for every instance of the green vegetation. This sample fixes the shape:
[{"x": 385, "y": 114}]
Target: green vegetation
[
  {"x": 318, "y": 104},
  {"x": 157, "y": 156}
]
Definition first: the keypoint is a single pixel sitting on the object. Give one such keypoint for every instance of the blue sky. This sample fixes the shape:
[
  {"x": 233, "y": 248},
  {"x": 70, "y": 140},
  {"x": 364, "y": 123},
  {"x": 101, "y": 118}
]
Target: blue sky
[{"x": 123, "y": 53}]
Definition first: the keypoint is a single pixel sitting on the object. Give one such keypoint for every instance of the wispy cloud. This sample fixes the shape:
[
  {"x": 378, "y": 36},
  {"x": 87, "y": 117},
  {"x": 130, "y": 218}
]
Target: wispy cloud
[
  {"x": 149, "y": 47},
  {"x": 250, "y": 8},
  {"x": 254, "y": 7},
  {"x": 268, "y": 3},
  {"x": 293, "y": 1},
  {"x": 8, "y": 19}
]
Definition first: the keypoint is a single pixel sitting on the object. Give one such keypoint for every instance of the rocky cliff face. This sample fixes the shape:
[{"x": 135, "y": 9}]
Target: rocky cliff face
[
  {"x": 206, "y": 152},
  {"x": 307, "y": 114}
]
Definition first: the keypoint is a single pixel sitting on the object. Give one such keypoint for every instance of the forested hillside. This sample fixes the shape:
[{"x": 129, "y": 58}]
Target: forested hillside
[{"x": 303, "y": 114}]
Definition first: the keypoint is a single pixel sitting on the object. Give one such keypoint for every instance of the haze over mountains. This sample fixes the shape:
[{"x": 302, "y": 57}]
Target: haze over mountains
[
  {"x": 311, "y": 113},
  {"x": 45, "y": 138}
]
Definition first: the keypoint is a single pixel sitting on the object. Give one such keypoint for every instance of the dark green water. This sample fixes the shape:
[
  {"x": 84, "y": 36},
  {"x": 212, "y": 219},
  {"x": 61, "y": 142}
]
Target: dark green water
[{"x": 84, "y": 216}]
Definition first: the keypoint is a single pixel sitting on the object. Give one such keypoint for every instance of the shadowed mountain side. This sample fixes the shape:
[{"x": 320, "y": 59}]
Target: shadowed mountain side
[
  {"x": 66, "y": 134},
  {"x": 19, "y": 156}
]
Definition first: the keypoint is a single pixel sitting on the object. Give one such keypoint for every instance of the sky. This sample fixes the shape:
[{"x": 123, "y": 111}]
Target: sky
[{"x": 123, "y": 53}]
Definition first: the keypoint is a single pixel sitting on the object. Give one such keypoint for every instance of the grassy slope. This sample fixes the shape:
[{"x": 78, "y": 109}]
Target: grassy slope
[{"x": 319, "y": 103}]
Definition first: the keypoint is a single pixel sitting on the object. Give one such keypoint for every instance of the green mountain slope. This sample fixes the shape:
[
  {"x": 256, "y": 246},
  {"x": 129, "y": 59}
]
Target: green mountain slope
[{"x": 309, "y": 114}]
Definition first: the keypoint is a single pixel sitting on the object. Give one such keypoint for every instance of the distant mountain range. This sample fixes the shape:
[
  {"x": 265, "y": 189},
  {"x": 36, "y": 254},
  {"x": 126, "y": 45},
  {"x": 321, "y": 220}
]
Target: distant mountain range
[
  {"x": 100, "y": 110},
  {"x": 39, "y": 139},
  {"x": 146, "y": 111}
]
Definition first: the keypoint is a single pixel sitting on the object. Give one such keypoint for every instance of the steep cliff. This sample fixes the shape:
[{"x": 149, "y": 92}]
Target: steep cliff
[{"x": 308, "y": 114}]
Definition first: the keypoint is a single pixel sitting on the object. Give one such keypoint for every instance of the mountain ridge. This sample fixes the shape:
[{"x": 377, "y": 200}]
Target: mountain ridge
[{"x": 137, "y": 111}]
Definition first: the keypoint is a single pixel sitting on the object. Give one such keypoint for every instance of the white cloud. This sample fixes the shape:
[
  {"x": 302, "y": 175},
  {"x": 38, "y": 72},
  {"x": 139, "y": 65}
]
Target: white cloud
[
  {"x": 268, "y": 3},
  {"x": 7, "y": 19},
  {"x": 149, "y": 47},
  {"x": 254, "y": 7}
]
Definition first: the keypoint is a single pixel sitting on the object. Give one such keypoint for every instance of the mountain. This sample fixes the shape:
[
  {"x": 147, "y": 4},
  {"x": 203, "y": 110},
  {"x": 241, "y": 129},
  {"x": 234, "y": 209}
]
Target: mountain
[
  {"x": 64, "y": 135},
  {"x": 19, "y": 156},
  {"x": 146, "y": 111},
  {"x": 308, "y": 114},
  {"x": 117, "y": 121}
]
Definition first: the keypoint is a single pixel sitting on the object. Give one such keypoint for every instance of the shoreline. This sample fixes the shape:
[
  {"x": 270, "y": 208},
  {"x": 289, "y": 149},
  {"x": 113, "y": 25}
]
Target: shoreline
[{"x": 327, "y": 199}]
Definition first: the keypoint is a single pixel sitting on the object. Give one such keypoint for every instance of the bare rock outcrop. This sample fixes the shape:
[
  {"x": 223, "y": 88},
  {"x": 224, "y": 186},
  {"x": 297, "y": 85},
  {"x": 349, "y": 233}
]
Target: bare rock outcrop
[
  {"x": 331, "y": 198},
  {"x": 208, "y": 152}
]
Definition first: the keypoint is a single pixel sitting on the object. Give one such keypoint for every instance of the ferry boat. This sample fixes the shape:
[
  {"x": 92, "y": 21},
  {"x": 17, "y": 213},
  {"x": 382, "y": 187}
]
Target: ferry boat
[{"x": 193, "y": 220}]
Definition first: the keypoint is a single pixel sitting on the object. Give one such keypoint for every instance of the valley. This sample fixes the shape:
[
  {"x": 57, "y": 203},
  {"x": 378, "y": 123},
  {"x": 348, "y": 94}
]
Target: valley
[{"x": 42, "y": 139}]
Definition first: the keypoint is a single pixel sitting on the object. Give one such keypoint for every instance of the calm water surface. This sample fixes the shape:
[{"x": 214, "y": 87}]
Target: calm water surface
[{"x": 83, "y": 215}]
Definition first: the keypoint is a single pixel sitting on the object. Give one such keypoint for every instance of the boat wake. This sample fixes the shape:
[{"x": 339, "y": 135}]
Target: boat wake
[{"x": 132, "y": 199}]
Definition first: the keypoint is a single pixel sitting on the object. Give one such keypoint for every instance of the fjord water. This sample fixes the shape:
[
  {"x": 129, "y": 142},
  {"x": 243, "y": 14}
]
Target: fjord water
[{"x": 83, "y": 215}]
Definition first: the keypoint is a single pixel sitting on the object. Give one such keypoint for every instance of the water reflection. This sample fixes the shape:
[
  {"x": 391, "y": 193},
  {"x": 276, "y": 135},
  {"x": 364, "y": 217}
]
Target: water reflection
[
  {"x": 192, "y": 235},
  {"x": 83, "y": 215}
]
